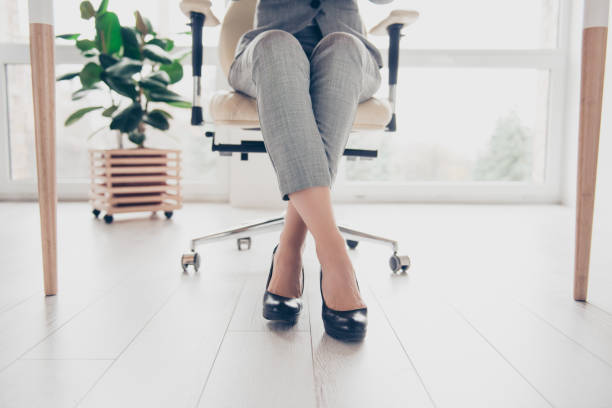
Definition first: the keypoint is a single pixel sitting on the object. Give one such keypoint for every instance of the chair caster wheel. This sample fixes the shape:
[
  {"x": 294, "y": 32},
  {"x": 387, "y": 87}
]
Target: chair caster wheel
[
  {"x": 168, "y": 214},
  {"x": 108, "y": 218},
  {"x": 95, "y": 212},
  {"x": 399, "y": 264},
  {"x": 244, "y": 244},
  {"x": 192, "y": 258},
  {"x": 352, "y": 244}
]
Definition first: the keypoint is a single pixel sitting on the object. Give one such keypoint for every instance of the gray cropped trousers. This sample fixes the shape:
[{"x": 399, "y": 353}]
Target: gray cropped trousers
[{"x": 307, "y": 89}]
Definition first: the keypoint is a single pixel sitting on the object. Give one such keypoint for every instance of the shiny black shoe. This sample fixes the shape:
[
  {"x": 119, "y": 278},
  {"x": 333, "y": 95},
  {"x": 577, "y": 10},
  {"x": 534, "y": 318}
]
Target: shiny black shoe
[
  {"x": 281, "y": 308},
  {"x": 346, "y": 325}
]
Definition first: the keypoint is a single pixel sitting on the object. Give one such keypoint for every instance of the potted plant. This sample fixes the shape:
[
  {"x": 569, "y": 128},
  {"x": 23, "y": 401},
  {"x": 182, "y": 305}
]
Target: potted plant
[{"x": 134, "y": 65}]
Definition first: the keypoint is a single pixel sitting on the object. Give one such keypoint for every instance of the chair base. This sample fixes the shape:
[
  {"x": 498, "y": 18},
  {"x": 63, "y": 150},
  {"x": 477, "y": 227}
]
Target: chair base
[{"x": 242, "y": 234}]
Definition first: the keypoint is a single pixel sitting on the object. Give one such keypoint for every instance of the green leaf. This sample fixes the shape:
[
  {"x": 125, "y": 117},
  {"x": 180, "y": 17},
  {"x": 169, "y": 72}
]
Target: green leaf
[
  {"x": 108, "y": 38},
  {"x": 152, "y": 85},
  {"x": 169, "y": 44},
  {"x": 163, "y": 43},
  {"x": 103, "y": 7},
  {"x": 128, "y": 119},
  {"x": 90, "y": 74},
  {"x": 163, "y": 112},
  {"x": 85, "y": 45},
  {"x": 174, "y": 70},
  {"x": 159, "y": 76},
  {"x": 131, "y": 48},
  {"x": 181, "y": 104},
  {"x": 137, "y": 138},
  {"x": 121, "y": 85},
  {"x": 79, "y": 114},
  {"x": 68, "y": 36},
  {"x": 107, "y": 60},
  {"x": 126, "y": 67},
  {"x": 87, "y": 10},
  {"x": 90, "y": 54},
  {"x": 79, "y": 94},
  {"x": 165, "y": 95},
  {"x": 68, "y": 76},
  {"x": 157, "y": 119},
  {"x": 156, "y": 54},
  {"x": 108, "y": 112}
]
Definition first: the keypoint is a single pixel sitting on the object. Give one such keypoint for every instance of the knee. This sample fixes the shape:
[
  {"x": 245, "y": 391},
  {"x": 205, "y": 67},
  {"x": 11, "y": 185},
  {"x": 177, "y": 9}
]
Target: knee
[
  {"x": 279, "y": 47},
  {"x": 339, "y": 45}
]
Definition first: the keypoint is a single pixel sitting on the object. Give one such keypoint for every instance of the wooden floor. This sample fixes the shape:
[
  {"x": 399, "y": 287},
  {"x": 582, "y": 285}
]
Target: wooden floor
[{"x": 484, "y": 318}]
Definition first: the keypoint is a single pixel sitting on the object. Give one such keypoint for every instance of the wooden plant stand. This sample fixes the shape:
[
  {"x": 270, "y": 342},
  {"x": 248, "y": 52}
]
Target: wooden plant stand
[{"x": 135, "y": 180}]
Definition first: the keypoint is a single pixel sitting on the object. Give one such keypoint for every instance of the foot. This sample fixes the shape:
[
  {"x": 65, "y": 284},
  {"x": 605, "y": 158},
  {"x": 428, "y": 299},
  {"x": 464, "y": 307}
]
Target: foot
[
  {"x": 287, "y": 271},
  {"x": 339, "y": 286}
]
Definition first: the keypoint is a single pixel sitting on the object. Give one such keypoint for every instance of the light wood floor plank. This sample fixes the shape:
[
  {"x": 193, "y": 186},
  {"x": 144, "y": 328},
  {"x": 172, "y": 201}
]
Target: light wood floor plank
[
  {"x": 563, "y": 371},
  {"x": 168, "y": 362},
  {"x": 105, "y": 328},
  {"x": 375, "y": 372},
  {"x": 262, "y": 369},
  {"x": 48, "y": 383},
  {"x": 458, "y": 366}
]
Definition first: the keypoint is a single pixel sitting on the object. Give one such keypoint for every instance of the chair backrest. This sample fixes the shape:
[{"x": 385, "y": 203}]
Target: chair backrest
[{"x": 237, "y": 21}]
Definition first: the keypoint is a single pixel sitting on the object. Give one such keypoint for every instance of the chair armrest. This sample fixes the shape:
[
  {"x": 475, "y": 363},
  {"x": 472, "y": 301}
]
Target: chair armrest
[
  {"x": 393, "y": 25},
  {"x": 202, "y": 7},
  {"x": 200, "y": 15},
  {"x": 404, "y": 17}
]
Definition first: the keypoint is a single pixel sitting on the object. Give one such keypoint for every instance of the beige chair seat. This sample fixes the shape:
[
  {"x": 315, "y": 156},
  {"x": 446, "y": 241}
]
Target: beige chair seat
[{"x": 237, "y": 109}]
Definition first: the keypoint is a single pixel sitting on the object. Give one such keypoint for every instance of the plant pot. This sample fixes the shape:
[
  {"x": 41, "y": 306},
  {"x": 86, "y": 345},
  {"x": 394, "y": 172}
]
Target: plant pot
[{"x": 135, "y": 180}]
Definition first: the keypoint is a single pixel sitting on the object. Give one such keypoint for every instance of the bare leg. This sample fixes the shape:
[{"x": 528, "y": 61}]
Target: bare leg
[
  {"x": 339, "y": 285},
  {"x": 287, "y": 272}
]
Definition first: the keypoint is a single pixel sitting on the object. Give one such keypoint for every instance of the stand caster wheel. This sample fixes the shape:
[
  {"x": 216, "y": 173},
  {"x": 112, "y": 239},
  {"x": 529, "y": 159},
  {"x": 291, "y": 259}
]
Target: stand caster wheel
[
  {"x": 399, "y": 264},
  {"x": 96, "y": 212},
  {"x": 192, "y": 258},
  {"x": 352, "y": 244},
  {"x": 108, "y": 218},
  {"x": 244, "y": 244},
  {"x": 168, "y": 214}
]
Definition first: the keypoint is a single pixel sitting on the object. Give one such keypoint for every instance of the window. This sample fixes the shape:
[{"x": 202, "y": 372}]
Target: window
[
  {"x": 480, "y": 96},
  {"x": 463, "y": 124},
  {"x": 480, "y": 103}
]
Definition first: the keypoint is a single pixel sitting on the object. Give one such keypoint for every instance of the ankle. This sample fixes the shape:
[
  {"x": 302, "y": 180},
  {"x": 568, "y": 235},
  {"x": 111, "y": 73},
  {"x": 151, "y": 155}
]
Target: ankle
[{"x": 293, "y": 245}]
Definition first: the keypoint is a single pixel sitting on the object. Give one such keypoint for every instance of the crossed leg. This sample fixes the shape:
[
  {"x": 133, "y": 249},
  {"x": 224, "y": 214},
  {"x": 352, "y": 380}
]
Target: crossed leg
[{"x": 305, "y": 128}]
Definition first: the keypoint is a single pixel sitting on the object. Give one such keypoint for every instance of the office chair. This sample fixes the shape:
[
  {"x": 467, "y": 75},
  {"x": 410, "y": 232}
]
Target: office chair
[{"x": 233, "y": 109}]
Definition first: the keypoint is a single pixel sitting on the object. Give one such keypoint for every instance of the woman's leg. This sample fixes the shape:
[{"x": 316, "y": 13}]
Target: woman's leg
[
  {"x": 339, "y": 286},
  {"x": 275, "y": 69},
  {"x": 288, "y": 257},
  {"x": 343, "y": 74}
]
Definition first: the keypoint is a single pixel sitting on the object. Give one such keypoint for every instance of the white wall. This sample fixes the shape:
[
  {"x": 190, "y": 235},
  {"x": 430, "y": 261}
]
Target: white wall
[{"x": 572, "y": 100}]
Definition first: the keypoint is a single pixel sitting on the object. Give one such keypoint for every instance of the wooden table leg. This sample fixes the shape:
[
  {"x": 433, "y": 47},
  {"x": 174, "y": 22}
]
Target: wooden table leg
[
  {"x": 43, "y": 88},
  {"x": 594, "y": 41}
]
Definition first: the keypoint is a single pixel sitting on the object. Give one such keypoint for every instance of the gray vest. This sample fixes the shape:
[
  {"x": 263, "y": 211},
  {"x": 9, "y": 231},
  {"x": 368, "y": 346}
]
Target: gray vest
[{"x": 293, "y": 15}]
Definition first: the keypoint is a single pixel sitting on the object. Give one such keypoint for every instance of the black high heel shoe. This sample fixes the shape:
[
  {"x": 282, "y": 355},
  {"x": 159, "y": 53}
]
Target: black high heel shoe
[
  {"x": 347, "y": 325},
  {"x": 281, "y": 308}
]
